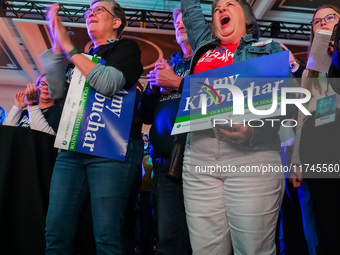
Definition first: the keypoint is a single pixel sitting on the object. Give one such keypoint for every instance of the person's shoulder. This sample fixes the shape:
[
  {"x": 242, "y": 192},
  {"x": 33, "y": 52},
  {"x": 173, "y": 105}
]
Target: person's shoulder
[
  {"x": 262, "y": 43},
  {"x": 127, "y": 42},
  {"x": 177, "y": 56},
  {"x": 55, "y": 108},
  {"x": 270, "y": 43},
  {"x": 275, "y": 45},
  {"x": 125, "y": 45}
]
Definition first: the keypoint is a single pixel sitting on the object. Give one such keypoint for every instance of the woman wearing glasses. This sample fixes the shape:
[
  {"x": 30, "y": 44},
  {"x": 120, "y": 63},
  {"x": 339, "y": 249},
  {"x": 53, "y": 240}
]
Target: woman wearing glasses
[
  {"x": 317, "y": 143},
  {"x": 79, "y": 177},
  {"x": 42, "y": 113}
]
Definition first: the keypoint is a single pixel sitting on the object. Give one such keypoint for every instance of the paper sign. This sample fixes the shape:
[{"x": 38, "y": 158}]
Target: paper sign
[{"x": 319, "y": 59}]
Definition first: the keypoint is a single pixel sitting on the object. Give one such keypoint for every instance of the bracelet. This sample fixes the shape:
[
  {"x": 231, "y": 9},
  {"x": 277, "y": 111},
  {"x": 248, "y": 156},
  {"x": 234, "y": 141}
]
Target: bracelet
[
  {"x": 292, "y": 65},
  {"x": 74, "y": 51},
  {"x": 33, "y": 103}
]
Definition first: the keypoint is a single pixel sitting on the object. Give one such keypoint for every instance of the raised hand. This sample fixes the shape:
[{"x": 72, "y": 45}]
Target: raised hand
[
  {"x": 60, "y": 38},
  {"x": 31, "y": 93},
  {"x": 20, "y": 100},
  {"x": 51, "y": 17},
  {"x": 64, "y": 40}
]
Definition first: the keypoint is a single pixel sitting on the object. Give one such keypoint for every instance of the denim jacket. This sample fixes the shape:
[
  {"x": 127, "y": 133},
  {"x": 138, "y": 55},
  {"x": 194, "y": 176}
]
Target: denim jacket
[{"x": 201, "y": 39}]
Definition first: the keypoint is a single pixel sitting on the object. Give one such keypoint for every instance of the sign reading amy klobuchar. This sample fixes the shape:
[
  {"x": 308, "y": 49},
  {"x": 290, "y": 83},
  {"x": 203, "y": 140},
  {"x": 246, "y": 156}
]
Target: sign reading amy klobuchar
[
  {"x": 94, "y": 124},
  {"x": 252, "y": 90}
]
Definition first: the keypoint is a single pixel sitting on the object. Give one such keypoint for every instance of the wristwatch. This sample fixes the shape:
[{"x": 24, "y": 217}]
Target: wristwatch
[
  {"x": 74, "y": 51},
  {"x": 33, "y": 103}
]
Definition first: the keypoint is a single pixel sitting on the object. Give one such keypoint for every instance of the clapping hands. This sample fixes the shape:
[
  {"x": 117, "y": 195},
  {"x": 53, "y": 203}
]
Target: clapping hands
[
  {"x": 31, "y": 93},
  {"x": 163, "y": 76},
  {"x": 20, "y": 100},
  {"x": 60, "y": 39}
]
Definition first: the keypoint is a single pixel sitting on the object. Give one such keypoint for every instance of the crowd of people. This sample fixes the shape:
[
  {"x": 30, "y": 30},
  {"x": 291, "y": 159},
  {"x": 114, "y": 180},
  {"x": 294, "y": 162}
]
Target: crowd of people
[{"x": 186, "y": 211}]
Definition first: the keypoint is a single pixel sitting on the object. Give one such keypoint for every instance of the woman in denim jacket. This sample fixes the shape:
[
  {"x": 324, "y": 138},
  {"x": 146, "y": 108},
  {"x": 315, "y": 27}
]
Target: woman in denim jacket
[{"x": 230, "y": 212}]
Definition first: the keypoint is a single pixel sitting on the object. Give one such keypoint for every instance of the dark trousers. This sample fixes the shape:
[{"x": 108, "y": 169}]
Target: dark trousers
[
  {"x": 325, "y": 197},
  {"x": 320, "y": 145},
  {"x": 146, "y": 223},
  {"x": 173, "y": 237},
  {"x": 293, "y": 238}
]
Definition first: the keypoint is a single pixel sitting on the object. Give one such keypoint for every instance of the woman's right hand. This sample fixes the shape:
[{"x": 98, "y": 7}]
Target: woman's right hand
[
  {"x": 291, "y": 56},
  {"x": 296, "y": 176},
  {"x": 20, "y": 100},
  {"x": 330, "y": 47},
  {"x": 31, "y": 93},
  {"x": 51, "y": 17}
]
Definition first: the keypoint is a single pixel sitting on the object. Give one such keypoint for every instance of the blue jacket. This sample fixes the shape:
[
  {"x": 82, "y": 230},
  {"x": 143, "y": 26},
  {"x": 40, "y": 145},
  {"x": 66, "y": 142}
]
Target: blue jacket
[{"x": 202, "y": 39}]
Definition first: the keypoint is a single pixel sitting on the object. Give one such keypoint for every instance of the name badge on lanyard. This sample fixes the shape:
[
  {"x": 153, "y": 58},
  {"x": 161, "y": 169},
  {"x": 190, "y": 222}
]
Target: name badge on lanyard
[{"x": 325, "y": 110}]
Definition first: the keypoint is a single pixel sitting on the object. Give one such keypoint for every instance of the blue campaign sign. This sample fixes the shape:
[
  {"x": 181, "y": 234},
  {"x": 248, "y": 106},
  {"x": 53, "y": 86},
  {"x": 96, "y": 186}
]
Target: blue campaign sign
[
  {"x": 94, "y": 124},
  {"x": 106, "y": 124},
  {"x": 218, "y": 92},
  {"x": 259, "y": 73}
]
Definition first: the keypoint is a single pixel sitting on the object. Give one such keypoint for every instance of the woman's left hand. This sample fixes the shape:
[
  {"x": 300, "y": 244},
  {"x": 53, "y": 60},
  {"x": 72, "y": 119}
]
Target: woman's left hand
[
  {"x": 330, "y": 47},
  {"x": 296, "y": 176},
  {"x": 239, "y": 134}
]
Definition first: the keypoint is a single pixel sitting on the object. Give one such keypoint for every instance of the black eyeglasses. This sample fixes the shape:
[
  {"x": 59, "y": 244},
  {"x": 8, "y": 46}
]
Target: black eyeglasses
[
  {"x": 328, "y": 18},
  {"x": 96, "y": 10},
  {"x": 42, "y": 83}
]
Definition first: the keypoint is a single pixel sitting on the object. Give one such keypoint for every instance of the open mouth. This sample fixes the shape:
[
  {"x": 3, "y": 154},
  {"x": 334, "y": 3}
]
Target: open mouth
[{"x": 225, "y": 20}]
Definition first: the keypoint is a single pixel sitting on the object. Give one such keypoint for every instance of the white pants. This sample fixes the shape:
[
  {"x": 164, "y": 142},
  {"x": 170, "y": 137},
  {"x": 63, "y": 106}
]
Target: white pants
[{"x": 230, "y": 211}]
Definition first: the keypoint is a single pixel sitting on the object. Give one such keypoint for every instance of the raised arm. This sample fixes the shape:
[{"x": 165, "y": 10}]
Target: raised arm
[{"x": 195, "y": 23}]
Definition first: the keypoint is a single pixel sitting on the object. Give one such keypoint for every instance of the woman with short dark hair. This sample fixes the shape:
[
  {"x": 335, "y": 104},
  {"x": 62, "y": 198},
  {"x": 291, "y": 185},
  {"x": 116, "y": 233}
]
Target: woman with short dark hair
[{"x": 78, "y": 177}]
